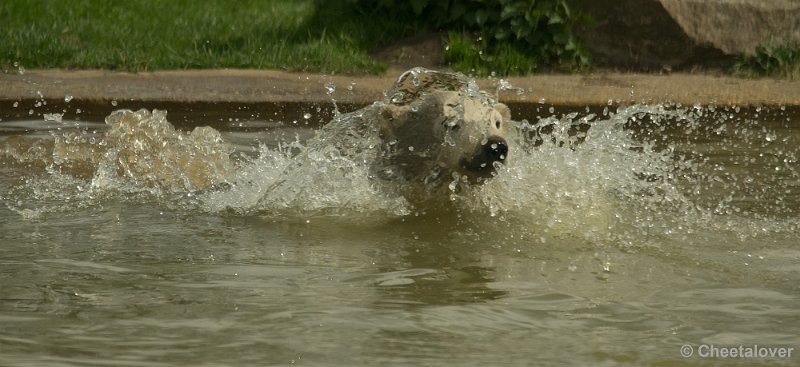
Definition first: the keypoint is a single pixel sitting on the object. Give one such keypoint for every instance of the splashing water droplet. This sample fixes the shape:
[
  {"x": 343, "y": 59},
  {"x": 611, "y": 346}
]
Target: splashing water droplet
[
  {"x": 114, "y": 102},
  {"x": 306, "y": 115},
  {"x": 397, "y": 98},
  {"x": 771, "y": 136},
  {"x": 330, "y": 87},
  {"x": 67, "y": 98},
  {"x": 53, "y": 117},
  {"x": 415, "y": 80}
]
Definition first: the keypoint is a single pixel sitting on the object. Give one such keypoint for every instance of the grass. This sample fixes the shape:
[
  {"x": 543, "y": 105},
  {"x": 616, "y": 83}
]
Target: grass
[
  {"x": 137, "y": 35},
  {"x": 772, "y": 60},
  {"x": 329, "y": 36},
  {"x": 464, "y": 54}
]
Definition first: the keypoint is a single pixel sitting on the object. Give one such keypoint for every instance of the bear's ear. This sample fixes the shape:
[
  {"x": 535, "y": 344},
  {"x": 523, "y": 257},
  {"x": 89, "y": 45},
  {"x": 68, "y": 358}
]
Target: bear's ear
[{"x": 504, "y": 111}]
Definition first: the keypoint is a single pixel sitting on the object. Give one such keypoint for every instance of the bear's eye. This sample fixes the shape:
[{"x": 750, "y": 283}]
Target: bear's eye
[
  {"x": 454, "y": 127},
  {"x": 497, "y": 124}
]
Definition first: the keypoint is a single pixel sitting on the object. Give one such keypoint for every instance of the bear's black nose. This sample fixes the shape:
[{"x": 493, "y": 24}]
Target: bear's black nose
[{"x": 496, "y": 149}]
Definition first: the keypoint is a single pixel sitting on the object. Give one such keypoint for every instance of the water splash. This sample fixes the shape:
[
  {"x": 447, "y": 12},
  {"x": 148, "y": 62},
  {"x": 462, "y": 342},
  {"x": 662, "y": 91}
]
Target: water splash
[
  {"x": 138, "y": 152},
  {"x": 417, "y": 81},
  {"x": 570, "y": 182},
  {"x": 330, "y": 88},
  {"x": 142, "y": 150},
  {"x": 643, "y": 170}
]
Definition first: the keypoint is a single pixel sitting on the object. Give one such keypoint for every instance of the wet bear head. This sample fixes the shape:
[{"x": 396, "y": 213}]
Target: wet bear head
[{"x": 445, "y": 132}]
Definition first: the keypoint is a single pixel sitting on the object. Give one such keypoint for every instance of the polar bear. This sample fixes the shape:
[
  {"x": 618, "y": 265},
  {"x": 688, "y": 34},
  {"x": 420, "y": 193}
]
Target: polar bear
[
  {"x": 434, "y": 135},
  {"x": 440, "y": 126}
]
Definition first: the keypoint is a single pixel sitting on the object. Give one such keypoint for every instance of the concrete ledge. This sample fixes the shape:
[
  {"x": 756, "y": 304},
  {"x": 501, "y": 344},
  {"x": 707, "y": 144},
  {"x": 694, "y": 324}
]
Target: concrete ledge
[{"x": 271, "y": 86}]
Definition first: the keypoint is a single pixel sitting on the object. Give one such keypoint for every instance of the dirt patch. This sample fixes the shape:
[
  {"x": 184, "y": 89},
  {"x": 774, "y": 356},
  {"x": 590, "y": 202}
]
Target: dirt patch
[{"x": 424, "y": 50}]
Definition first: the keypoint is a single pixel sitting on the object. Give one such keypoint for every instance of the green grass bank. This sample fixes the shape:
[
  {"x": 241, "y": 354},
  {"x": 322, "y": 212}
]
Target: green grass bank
[
  {"x": 138, "y": 35},
  {"x": 510, "y": 37}
]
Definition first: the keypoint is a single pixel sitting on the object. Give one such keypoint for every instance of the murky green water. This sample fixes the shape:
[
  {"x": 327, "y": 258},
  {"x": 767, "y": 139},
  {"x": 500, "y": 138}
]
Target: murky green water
[{"x": 667, "y": 226}]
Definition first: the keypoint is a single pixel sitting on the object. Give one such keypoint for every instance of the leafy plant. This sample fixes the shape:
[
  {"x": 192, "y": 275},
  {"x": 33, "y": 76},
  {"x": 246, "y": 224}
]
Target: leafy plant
[
  {"x": 465, "y": 55},
  {"x": 778, "y": 60},
  {"x": 505, "y": 32}
]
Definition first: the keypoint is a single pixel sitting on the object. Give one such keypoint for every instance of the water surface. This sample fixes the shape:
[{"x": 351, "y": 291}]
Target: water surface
[{"x": 657, "y": 227}]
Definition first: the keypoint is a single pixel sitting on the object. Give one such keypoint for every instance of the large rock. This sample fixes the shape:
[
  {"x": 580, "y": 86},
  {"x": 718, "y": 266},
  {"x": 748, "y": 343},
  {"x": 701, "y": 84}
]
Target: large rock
[
  {"x": 684, "y": 34},
  {"x": 639, "y": 35},
  {"x": 737, "y": 26}
]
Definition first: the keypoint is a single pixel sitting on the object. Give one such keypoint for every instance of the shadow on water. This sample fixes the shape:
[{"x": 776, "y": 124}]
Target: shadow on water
[
  {"x": 417, "y": 261},
  {"x": 221, "y": 116},
  {"x": 441, "y": 264}
]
